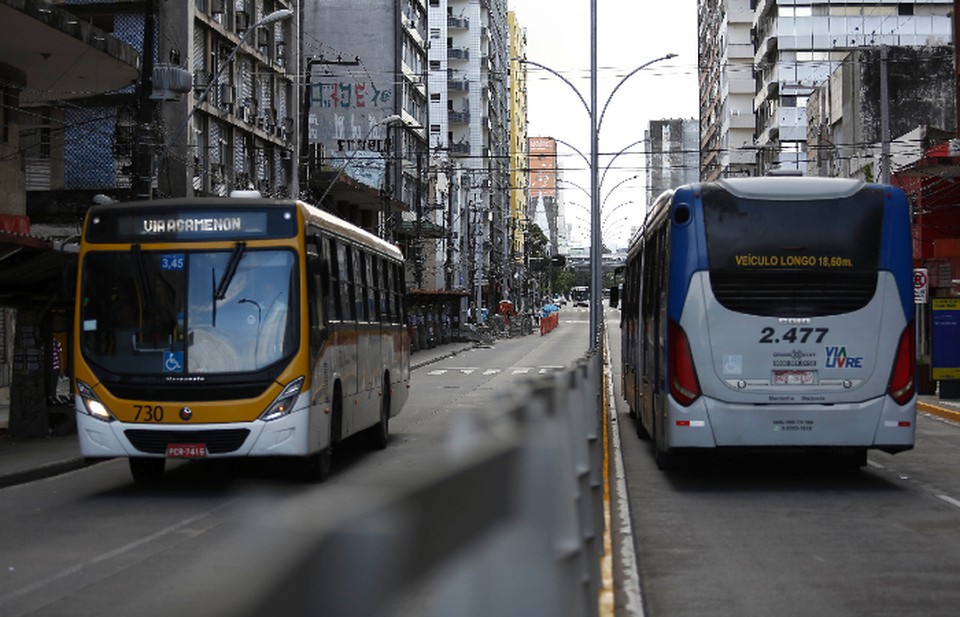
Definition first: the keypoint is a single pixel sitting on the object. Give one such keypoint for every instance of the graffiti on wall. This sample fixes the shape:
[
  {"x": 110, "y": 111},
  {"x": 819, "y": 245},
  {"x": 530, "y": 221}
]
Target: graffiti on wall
[{"x": 344, "y": 95}]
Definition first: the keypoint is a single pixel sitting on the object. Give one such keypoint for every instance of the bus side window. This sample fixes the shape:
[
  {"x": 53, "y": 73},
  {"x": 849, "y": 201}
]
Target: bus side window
[
  {"x": 383, "y": 282},
  {"x": 370, "y": 285},
  {"x": 388, "y": 291},
  {"x": 359, "y": 286},
  {"x": 314, "y": 299},
  {"x": 398, "y": 290},
  {"x": 343, "y": 277}
]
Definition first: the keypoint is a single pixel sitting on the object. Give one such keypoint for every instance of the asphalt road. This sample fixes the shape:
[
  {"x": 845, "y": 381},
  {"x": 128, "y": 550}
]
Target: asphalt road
[
  {"x": 764, "y": 535},
  {"x": 93, "y": 543}
]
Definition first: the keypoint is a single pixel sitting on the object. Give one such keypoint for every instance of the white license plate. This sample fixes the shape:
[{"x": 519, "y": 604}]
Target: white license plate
[
  {"x": 187, "y": 450},
  {"x": 794, "y": 378}
]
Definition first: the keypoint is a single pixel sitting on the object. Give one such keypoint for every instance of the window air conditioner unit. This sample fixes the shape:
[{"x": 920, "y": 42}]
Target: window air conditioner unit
[
  {"x": 241, "y": 21},
  {"x": 200, "y": 80},
  {"x": 227, "y": 94}
]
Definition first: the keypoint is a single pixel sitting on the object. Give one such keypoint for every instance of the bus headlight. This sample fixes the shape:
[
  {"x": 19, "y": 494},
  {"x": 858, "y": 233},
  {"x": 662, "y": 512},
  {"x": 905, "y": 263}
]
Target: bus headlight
[
  {"x": 92, "y": 403},
  {"x": 283, "y": 404}
]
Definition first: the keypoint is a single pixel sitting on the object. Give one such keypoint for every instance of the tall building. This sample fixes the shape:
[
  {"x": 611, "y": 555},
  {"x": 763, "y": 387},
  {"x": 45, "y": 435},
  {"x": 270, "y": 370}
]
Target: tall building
[
  {"x": 799, "y": 44},
  {"x": 365, "y": 115},
  {"x": 845, "y": 113},
  {"x": 469, "y": 138},
  {"x": 726, "y": 89},
  {"x": 519, "y": 157},
  {"x": 672, "y": 155},
  {"x": 236, "y": 128}
]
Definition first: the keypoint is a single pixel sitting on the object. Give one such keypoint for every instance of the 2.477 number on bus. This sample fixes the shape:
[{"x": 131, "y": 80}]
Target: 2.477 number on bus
[{"x": 793, "y": 335}]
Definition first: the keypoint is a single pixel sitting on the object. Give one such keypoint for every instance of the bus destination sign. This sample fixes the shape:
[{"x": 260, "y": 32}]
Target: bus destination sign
[{"x": 152, "y": 225}]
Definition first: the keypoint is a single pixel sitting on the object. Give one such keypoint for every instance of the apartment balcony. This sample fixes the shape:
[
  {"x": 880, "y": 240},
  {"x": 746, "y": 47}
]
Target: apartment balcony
[
  {"x": 458, "y": 117},
  {"x": 458, "y": 23},
  {"x": 460, "y": 149},
  {"x": 458, "y": 53},
  {"x": 769, "y": 90},
  {"x": 458, "y": 85},
  {"x": 767, "y": 48}
]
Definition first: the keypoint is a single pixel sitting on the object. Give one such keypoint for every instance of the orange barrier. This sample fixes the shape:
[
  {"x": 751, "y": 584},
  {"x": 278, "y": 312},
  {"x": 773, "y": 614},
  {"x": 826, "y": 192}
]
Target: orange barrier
[{"x": 549, "y": 322}]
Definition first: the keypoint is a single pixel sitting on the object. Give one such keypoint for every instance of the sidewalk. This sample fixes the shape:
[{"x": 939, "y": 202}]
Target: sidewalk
[{"x": 26, "y": 460}]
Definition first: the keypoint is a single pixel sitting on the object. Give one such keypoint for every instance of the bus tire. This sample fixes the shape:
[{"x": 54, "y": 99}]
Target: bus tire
[
  {"x": 317, "y": 467},
  {"x": 146, "y": 471},
  {"x": 664, "y": 458},
  {"x": 379, "y": 434},
  {"x": 642, "y": 432}
]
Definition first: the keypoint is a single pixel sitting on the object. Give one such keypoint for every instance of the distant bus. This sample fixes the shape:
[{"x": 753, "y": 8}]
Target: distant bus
[
  {"x": 772, "y": 313},
  {"x": 580, "y": 295},
  {"x": 214, "y": 328}
]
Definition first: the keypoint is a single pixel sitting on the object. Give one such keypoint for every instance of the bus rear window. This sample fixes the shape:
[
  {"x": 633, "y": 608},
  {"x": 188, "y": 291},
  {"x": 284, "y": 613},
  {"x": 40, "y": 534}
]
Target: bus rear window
[{"x": 793, "y": 257}]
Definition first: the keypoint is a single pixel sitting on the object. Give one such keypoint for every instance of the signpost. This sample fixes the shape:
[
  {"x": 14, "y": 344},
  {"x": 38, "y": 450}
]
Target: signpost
[
  {"x": 945, "y": 359},
  {"x": 921, "y": 285}
]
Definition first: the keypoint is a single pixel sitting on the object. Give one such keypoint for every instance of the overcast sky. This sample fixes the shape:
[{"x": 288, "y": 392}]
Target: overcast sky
[{"x": 631, "y": 33}]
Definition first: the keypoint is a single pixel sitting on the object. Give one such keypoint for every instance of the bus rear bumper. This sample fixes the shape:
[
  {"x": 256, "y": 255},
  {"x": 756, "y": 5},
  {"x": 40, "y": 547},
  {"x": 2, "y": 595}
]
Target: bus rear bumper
[{"x": 709, "y": 423}]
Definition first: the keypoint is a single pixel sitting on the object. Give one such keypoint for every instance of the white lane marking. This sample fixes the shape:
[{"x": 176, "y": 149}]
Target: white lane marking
[
  {"x": 491, "y": 371},
  {"x": 630, "y": 573},
  {"x": 117, "y": 552},
  {"x": 950, "y": 500}
]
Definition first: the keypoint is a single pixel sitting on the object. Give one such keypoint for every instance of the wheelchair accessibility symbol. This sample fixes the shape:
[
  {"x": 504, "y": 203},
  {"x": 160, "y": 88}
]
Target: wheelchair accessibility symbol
[{"x": 173, "y": 362}]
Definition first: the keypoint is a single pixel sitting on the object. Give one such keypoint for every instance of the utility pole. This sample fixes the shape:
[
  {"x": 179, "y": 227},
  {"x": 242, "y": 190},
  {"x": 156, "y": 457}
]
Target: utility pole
[
  {"x": 884, "y": 117},
  {"x": 143, "y": 150}
]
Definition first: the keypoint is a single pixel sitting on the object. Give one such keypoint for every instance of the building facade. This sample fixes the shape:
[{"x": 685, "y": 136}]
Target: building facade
[
  {"x": 365, "y": 113},
  {"x": 469, "y": 136},
  {"x": 726, "y": 89},
  {"x": 799, "y": 44},
  {"x": 672, "y": 155}
]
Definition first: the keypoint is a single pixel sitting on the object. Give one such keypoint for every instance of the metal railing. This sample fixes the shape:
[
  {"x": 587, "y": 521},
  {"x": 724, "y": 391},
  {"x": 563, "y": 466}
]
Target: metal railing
[{"x": 512, "y": 524}]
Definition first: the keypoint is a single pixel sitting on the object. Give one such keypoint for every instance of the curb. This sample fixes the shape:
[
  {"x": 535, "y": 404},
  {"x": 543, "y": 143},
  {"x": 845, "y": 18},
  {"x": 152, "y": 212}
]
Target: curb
[
  {"x": 936, "y": 410},
  {"x": 414, "y": 366},
  {"x": 46, "y": 471}
]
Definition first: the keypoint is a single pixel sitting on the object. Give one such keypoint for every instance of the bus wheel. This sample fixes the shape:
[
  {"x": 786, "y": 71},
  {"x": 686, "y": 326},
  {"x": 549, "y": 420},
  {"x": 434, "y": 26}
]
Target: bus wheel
[
  {"x": 317, "y": 467},
  {"x": 146, "y": 470},
  {"x": 663, "y": 458},
  {"x": 642, "y": 431},
  {"x": 379, "y": 434}
]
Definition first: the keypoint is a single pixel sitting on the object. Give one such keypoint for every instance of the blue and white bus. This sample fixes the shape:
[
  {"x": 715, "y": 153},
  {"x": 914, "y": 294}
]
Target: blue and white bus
[{"x": 772, "y": 313}]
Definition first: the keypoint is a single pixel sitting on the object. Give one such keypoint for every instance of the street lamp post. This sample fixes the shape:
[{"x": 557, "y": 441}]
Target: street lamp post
[
  {"x": 596, "y": 123},
  {"x": 267, "y": 19}
]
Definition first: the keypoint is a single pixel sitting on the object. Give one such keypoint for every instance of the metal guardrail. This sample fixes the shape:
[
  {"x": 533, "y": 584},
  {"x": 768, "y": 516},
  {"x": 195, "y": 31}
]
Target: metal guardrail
[{"x": 512, "y": 525}]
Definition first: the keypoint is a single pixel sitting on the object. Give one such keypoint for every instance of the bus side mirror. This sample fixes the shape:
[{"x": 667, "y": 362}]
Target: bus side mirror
[{"x": 614, "y": 296}]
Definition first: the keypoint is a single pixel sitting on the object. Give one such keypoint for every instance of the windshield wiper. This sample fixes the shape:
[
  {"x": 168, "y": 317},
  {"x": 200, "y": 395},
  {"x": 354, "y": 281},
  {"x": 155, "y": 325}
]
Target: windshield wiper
[{"x": 220, "y": 289}]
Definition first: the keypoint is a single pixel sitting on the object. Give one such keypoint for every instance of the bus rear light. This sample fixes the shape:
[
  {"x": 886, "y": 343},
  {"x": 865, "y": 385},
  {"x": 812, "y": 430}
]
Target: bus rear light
[
  {"x": 902, "y": 378},
  {"x": 283, "y": 404},
  {"x": 92, "y": 404},
  {"x": 684, "y": 385}
]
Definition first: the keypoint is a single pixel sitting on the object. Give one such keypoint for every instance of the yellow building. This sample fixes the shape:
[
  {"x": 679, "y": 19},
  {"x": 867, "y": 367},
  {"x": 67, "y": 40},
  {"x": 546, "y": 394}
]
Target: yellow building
[{"x": 518, "y": 134}]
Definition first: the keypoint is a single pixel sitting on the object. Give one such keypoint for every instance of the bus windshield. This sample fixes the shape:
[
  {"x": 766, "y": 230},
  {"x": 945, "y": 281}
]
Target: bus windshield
[
  {"x": 793, "y": 258},
  {"x": 188, "y": 312}
]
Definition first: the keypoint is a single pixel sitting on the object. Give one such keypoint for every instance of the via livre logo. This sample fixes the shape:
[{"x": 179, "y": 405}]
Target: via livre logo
[{"x": 837, "y": 358}]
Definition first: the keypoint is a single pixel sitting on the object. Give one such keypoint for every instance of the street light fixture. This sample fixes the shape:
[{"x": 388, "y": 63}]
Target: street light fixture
[
  {"x": 595, "y": 125},
  {"x": 267, "y": 19}
]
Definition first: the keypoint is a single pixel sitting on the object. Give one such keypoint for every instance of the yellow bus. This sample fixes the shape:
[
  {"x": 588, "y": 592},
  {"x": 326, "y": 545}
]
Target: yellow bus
[{"x": 216, "y": 327}]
